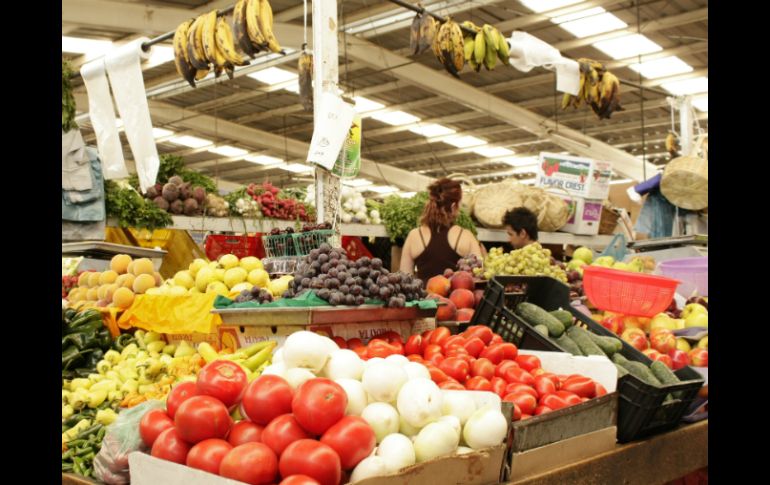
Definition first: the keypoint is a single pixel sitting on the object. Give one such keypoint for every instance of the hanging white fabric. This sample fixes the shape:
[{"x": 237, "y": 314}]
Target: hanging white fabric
[
  {"x": 125, "y": 72},
  {"x": 102, "y": 115},
  {"x": 528, "y": 52}
]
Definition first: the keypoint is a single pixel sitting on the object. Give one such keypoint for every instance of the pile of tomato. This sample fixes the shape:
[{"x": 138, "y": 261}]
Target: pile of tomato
[{"x": 302, "y": 436}]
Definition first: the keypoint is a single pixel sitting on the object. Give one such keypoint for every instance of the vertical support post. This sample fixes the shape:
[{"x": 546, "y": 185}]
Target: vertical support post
[
  {"x": 326, "y": 78},
  {"x": 686, "y": 128}
]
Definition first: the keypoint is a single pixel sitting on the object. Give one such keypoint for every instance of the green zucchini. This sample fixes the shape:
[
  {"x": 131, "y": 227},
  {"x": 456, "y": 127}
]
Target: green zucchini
[
  {"x": 568, "y": 344},
  {"x": 609, "y": 345},
  {"x": 534, "y": 315},
  {"x": 663, "y": 373},
  {"x": 582, "y": 339},
  {"x": 563, "y": 316},
  {"x": 542, "y": 330},
  {"x": 637, "y": 369}
]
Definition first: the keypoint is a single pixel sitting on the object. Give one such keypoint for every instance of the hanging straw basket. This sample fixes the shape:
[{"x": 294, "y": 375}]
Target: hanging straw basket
[
  {"x": 685, "y": 183},
  {"x": 552, "y": 211},
  {"x": 494, "y": 200},
  {"x": 469, "y": 191},
  {"x": 608, "y": 221}
]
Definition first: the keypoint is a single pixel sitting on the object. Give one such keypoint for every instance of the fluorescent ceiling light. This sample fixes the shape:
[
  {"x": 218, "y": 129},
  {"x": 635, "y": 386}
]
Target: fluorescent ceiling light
[
  {"x": 357, "y": 182},
  {"x": 545, "y": 5},
  {"x": 160, "y": 132},
  {"x": 589, "y": 22},
  {"x": 688, "y": 86},
  {"x": 406, "y": 195},
  {"x": 382, "y": 189},
  {"x": 520, "y": 161},
  {"x": 190, "y": 141},
  {"x": 363, "y": 104},
  {"x": 295, "y": 167},
  {"x": 161, "y": 54},
  {"x": 396, "y": 118},
  {"x": 263, "y": 160},
  {"x": 91, "y": 48},
  {"x": 293, "y": 87},
  {"x": 701, "y": 104},
  {"x": 491, "y": 152},
  {"x": 627, "y": 46},
  {"x": 668, "y": 66},
  {"x": 432, "y": 129},
  {"x": 228, "y": 151},
  {"x": 273, "y": 75},
  {"x": 465, "y": 141}
]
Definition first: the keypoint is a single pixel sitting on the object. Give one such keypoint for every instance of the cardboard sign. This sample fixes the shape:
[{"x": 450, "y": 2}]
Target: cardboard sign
[
  {"x": 581, "y": 177},
  {"x": 330, "y": 134}
]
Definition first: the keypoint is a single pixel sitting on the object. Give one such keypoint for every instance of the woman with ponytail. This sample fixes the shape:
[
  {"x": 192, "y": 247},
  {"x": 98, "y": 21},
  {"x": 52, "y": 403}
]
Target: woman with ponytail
[{"x": 438, "y": 243}]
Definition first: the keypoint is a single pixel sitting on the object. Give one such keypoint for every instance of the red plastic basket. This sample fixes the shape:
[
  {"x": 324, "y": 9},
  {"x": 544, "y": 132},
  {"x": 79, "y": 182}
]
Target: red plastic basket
[
  {"x": 626, "y": 292},
  {"x": 241, "y": 246}
]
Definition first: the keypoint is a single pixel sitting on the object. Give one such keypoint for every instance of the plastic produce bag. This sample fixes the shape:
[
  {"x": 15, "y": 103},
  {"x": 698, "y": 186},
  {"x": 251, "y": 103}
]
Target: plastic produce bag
[{"x": 122, "y": 438}]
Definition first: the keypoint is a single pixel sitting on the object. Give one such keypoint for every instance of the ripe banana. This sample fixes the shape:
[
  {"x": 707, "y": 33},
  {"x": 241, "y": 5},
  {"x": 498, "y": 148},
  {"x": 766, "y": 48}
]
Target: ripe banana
[
  {"x": 490, "y": 56},
  {"x": 428, "y": 30},
  {"x": 265, "y": 20},
  {"x": 479, "y": 48},
  {"x": 195, "y": 52},
  {"x": 450, "y": 46},
  {"x": 436, "y": 44},
  {"x": 209, "y": 38},
  {"x": 458, "y": 48},
  {"x": 226, "y": 45},
  {"x": 241, "y": 31},
  {"x": 201, "y": 73},
  {"x": 469, "y": 47},
  {"x": 305, "y": 70},
  {"x": 502, "y": 48},
  {"x": 414, "y": 35},
  {"x": 183, "y": 66},
  {"x": 252, "y": 23}
]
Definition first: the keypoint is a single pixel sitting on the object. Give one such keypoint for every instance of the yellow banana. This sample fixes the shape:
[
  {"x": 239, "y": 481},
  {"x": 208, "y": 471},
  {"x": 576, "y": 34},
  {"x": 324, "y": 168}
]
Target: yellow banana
[
  {"x": 566, "y": 101},
  {"x": 474, "y": 65},
  {"x": 469, "y": 41},
  {"x": 490, "y": 56},
  {"x": 241, "y": 31},
  {"x": 201, "y": 73},
  {"x": 436, "y": 45},
  {"x": 209, "y": 39},
  {"x": 458, "y": 47},
  {"x": 183, "y": 66},
  {"x": 195, "y": 45},
  {"x": 428, "y": 32},
  {"x": 265, "y": 20},
  {"x": 226, "y": 44},
  {"x": 479, "y": 48},
  {"x": 252, "y": 23},
  {"x": 502, "y": 48},
  {"x": 470, "y": 26}
]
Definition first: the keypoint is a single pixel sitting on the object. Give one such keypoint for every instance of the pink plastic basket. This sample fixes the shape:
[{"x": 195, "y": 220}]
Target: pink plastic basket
[
  {"x": 693, "y": 273},
  {"x": 626, "y": 292}
]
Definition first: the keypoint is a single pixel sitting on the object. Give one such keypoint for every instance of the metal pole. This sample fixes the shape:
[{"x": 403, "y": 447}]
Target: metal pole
[
  {"x": 326, "y": 78},
  {"x": 686, "y": 124}
]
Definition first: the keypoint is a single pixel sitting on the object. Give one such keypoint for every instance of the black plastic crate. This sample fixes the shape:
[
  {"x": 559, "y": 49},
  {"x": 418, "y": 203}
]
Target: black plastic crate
[{"x": 641, "y": 411}]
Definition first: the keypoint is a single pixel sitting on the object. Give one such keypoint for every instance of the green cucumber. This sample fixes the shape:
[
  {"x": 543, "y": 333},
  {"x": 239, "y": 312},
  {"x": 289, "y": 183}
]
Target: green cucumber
[
  {"x": 563, "y": 316},
  {"x": 621, "y": 370},
  {"x": 637, "y": 369},
  {"x": 568, "y": 344},
  {"x": 582, "y": 339},
  {"x": 609, "y": 345},
  {"x": 542, "y": 330},
  {"x": 663, "y": 373},
  {"x": 534, "y": 315}
]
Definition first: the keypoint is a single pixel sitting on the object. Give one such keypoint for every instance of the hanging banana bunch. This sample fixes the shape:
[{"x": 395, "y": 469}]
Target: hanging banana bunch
[
  {"x": 210, "y": 42},
  {"x": 449, "y": 48},
  {"x": 672, "y": 147},
  {"x": 422, "y": 33},
  {"x": 305, "y": 70},
  {"x": 599, "y": 89}
]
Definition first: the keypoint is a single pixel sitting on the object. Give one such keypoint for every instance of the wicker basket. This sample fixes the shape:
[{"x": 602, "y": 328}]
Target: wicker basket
[
  {"x": 685, "y": 183},
  {"x": 608, "y": 221}
]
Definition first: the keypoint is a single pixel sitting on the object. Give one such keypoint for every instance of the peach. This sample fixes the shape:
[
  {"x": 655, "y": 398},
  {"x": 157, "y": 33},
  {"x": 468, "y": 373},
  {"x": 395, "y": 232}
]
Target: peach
[
  {"x": 462, "y": 279},
  {"x": 446, "y": 311},
  {"x": 439, "y": 285},
  {"x": 699, "y": 357},
  {"x": 663, "y": 341},
  {"x": 462, "y": 298},
  {"x": 679, "y": 359},
  {"x": 465, "y": 314},
  {"x": 477, "y": 296}
]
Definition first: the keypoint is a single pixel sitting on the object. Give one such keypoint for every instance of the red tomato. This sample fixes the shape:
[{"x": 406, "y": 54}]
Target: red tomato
[
  {"x": 398, "y": 348},
  {"x": 380, "y": 348},
  {"x": 245, "y": 432},
  {"x": 431, "y": 350},
  {"x": 484, "y": 368},
  {"x": 171, "y": 447},
  {"x": 452, "y": 342},
  {"x": 498, "y": 385},
  {"x": 496, "y": 339},
  {"x": 283, "y": 431},
  {"x": 354, "y": 343},
  {"x": 224, "y": 380},
  {"x": 311, "y": 458},
  {"x": 425, "y": 340},
  {"x": 440, "y": 335},
  {"x": 538, "y": 371},
  {"x": 570, "y": 397},
  {"x": 552, "y": 377},
  {"x": 542, "y": 410},
  {"x": 267, "y": 397},
  {"x": 553, "y": 402},
  {"x": 252, "y": 463},
  {"x": 437, "y": 375},
  {"x": 600, "y": 390},
  {"x": 478, "y": 383},
  {"x": 481, "y": 331},
  {"x": 413, "y": 345},
  {"x": 362, "y": 352},
  {"x": 318, "y": 404},
  {"x": 299, "y": 480},
  {"x": 208, "y": 454},
  {"x": 517, "y": 374},
  {"x": 458, "y": 352},
  {"x": 353, "y": 440},
  {"x": 528, "y": 362},
  {"x": 516, "y": 413},
  {"x": 544, "y": 385},
  {"x": 415, "y": 358},
  {"x": 494, "y": 352},
  {"x": 455, "y": 368},
  {"x": 519, "y": 387},
  {"x": 341, "y": 343},
  {"x": 582, "y": 386},
  {"x": 474, "y": 346},
  {"x": 451, "y": 385},
  {"x": 202, "y": 417},
  {"x": 153, "y": 423},
  {"x": 526, "y": 402},
  {"x": 179, "y": 394},
  {"x": 436, "y": 359},
  {"x": 391, "y": 337},
  {"x": 510, "y": 351},
  {"x": 502, "y": 366}
]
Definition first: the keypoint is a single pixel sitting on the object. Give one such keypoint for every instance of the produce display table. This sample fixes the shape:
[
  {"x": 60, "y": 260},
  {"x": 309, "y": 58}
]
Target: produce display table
[
  {"x": 320, "y": 315},
  {"x": 657, "y": 460}
]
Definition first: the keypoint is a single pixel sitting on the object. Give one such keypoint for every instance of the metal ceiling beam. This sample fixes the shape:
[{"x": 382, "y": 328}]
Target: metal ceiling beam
[
  {"x": 701, "y": 72},
  {"x": 528, "y": 20}
]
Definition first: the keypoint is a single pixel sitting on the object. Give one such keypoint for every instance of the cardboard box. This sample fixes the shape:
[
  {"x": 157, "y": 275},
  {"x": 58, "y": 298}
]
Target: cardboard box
[
  {"x": 581, "y": 177},
  {"x": 562, "y": 453},
  {"x": 586, "y": 216},
  {"x": 194, "y": 338}
]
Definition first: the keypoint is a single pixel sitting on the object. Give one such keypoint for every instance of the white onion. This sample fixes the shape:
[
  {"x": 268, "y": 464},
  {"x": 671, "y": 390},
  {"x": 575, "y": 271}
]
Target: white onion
[
  {"x": 344, "y": 364},
  {"x": 275, "y": 369},
  {"x": 415, "y": 370},
  {"x": 454, "y": 422},
  {"x": 458, "y": 404},
  {"x": 277, "y": 356},
  {"x": 486, "y": 427},
  {"x": 307, "y": 350},
  {"x": 397, "y": 359},
  {"x": 373, "y": 466},
  {"x": 382, "y": 417},
  {"x": 383, "y": 381},
  {"x": 407, "y": 429},
  {"x": 372, "y": 361},
  {"x": 419, "y": 402},
  {"x": 297, "y": 376},
  {"x": 356, "y": 396},
  {"x": 398, "y": 451},
  {"x": 434, "y": 440}
]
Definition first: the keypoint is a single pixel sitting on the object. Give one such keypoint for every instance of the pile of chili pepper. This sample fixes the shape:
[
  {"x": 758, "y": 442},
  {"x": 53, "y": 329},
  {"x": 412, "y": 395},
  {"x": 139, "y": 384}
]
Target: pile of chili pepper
[{"x": 84, "y": 340}]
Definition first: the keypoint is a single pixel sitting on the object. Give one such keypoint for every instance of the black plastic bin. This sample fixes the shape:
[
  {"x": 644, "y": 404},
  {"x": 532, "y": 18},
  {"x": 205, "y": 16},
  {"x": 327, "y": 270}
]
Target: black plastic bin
[{"x": 641, "y": 411}]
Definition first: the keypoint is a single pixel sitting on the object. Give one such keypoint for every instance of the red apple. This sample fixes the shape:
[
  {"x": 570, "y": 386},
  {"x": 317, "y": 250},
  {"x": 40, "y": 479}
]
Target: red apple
[
  {"x": 477, "y": 296},
  {"x": 699, "y": 357},
  {"x": 439, "y": 285},
  {"x": 663, "y": 341},
  {"x": 614, "y": 324},
  {"x": 465, "y": 314},
  {"x": 448, "y": 273},
  {"x": 666, "y": 360},
  {"x": 679, "y": 359},
  {"x": 652, "y": 354},
  {"x": 636, "y": 338},
  {"x": 462, "y": 298},
  {"x": 447, "y": 311},
  {"x": 462, "y": 279}
]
